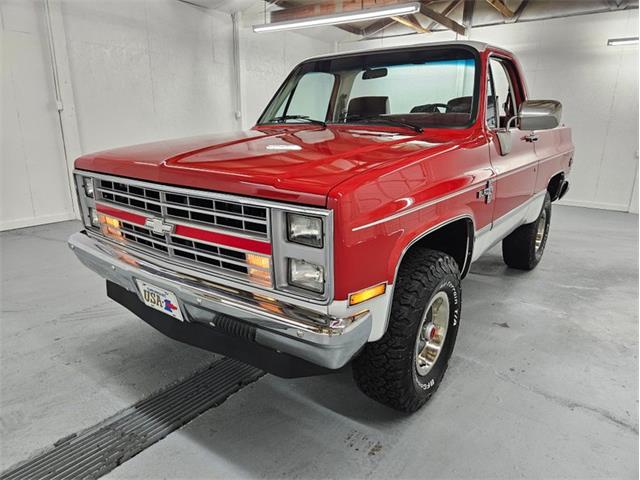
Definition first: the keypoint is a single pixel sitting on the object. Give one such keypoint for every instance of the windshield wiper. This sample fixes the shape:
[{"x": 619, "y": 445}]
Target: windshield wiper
[
  {"x": 284, "y": 118},
  {"x": 391, "y": 121}
]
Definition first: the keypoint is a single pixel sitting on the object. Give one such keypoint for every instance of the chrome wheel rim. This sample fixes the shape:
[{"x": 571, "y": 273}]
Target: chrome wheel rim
[
  {"x": 432, "y": 333},
  {"x": 542, "y": 227}
]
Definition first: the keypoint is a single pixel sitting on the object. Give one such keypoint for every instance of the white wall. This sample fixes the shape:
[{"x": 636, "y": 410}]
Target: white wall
[
  {"x": 146, "y": 70},
  {"x": 267, "y": 59},
  {"x": 33, "y": 172},
  {"x": 568, "y": 59},
  {"x": 138, "y": 70}
]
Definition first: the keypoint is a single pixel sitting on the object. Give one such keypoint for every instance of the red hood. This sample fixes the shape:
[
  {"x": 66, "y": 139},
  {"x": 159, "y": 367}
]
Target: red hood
[{"x": 293, "y": 164}]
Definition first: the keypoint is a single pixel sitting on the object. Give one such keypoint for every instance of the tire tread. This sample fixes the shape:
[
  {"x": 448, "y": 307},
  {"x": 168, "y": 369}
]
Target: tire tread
[{"x": 380, "y": 371}]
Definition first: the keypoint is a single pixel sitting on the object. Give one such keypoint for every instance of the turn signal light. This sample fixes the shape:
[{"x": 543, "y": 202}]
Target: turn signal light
[
  {"x": 261, "y": 276},
  {"x": 110, "y": 226},
  {"x": 367, "y": 294}
]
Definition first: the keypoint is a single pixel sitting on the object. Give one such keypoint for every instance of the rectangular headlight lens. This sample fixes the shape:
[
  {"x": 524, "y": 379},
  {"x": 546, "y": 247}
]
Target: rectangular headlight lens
[
  {"x": 308, "y": 276},
  {"x": 304, "y": 229},
  {"x": 95, "y": 219}
]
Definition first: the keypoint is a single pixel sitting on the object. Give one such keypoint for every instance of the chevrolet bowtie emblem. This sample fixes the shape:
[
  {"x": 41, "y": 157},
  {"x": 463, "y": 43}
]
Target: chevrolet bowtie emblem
[{"x": 157, "y": 226}]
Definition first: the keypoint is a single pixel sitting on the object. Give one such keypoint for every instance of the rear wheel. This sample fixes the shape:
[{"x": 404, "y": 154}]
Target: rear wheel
[
  {"x": 405, "y": 367},
  {"x": 524, "y": 247}
]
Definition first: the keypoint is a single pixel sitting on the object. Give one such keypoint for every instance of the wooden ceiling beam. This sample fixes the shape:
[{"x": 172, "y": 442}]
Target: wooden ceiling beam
[
  {"x": 447, "y": 10},
  {"x": 412, "y": 22},
  {"x": 442, "y": 20},
  {"x": 467, "y": 13},
  {"x": 347, "y": 27},
  {"x": 377, "y": 26},
  {"x": 501, "y": 7},
  {"x": 518, "y": 12}
]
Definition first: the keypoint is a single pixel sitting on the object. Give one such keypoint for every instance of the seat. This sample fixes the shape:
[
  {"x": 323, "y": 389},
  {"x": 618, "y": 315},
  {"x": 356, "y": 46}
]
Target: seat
[
  {"x": 459, "y": 105},
  {"x": 368, "y": 106},
  {"x": 427, "y": 108}
]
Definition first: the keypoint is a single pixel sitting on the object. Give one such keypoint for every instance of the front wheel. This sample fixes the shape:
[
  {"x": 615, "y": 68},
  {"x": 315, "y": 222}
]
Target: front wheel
[
  {"x": 523, "y": 248},
  {"x": 405, "y": 367}
]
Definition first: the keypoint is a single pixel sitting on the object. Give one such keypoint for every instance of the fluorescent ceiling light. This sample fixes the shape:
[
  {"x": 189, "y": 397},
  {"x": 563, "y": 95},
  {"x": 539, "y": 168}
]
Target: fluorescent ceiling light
[
  {"x": 612, "y": 42},
  {"x": 343, "y": 17}
]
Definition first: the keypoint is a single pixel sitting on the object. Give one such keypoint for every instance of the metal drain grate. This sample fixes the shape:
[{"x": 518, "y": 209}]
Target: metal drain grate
[{"x": 98, "y": 450}]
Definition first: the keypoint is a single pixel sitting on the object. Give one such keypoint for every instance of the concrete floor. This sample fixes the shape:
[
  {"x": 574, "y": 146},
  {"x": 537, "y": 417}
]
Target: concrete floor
[{"x": 543, "y": 381}]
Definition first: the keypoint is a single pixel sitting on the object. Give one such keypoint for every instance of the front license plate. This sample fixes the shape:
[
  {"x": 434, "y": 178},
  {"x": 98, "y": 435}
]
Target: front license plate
[{"x": 160, "y": 299}]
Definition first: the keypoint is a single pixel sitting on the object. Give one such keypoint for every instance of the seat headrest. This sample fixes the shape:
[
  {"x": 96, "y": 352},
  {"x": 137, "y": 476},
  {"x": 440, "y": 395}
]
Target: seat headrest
[
  {"x": 366, "y": 106},
  {"x": 459, "y": 105},
  {"x": 426, "y": 108}
]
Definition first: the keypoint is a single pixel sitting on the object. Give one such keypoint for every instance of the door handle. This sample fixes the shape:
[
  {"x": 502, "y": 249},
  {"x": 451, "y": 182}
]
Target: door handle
[{"x": 532, "y": 137}]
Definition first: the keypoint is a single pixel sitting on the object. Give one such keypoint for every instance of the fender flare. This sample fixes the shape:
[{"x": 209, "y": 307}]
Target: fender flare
[{"x": 417, "y": 238}]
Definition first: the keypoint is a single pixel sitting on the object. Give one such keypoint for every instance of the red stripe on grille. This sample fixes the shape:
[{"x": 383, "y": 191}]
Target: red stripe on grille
[
  {"x": 222, "y": 239},
  {"x": 193, "y": 232},
  {"x": 122, "y": 215}
]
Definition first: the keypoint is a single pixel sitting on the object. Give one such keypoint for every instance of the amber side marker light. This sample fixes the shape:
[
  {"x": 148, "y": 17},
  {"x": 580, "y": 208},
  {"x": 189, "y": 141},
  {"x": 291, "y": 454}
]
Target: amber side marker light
[{"x": 367, "y": 294}]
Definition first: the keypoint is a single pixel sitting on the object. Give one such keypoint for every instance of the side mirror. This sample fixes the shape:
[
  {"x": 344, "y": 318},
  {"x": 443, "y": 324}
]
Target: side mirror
[{"x": 539, "y": 114}]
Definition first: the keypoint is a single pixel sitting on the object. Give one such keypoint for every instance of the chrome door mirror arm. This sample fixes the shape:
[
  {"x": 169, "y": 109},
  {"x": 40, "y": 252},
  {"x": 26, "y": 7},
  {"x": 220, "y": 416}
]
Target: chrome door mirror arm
[{"x": 504, "y": 137}]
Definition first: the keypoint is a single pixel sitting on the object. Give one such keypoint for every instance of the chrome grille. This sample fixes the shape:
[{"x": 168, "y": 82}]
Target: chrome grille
[
  {"x": 177, "y": 206},
  {"x": 221, "y": 214},
  {"x": 192, "y": 251}
]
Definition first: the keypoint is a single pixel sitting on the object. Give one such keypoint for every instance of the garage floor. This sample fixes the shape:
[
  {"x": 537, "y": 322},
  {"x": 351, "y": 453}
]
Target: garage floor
[{"x": 543, "y": 381}]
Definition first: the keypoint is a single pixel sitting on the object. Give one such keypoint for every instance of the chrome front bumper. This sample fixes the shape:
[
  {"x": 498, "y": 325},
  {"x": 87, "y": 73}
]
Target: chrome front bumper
[{"x": 314, "y": 336}]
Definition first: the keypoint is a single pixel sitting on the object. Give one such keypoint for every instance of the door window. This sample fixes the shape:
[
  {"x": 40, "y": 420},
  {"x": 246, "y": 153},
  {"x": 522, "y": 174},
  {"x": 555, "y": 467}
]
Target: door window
[{"x": 500, "y": 98}]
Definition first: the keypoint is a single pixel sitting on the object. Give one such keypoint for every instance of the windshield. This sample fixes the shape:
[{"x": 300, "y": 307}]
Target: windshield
[{"x": 413, "y": 88}]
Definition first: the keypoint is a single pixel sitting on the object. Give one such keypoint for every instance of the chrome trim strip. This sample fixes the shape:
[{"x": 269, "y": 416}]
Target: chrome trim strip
[
  {"x": 443, "y": 198},
  {"x": 421, "y": 206},
  {"x": 528, "y": 165}
]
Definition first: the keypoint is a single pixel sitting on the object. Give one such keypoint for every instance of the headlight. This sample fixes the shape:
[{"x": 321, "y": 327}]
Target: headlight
[
  {"x": 95, "y": 220},
  {"x": 87, "y": 183},
  {"x": 306, "y": 275},
  {"x": 304, "y": 230}
]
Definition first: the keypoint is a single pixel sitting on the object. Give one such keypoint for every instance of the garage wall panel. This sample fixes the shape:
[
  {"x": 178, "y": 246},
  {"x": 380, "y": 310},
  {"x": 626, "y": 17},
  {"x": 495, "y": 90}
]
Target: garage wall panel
[
  {"x": 267, "y": 59},
  {"x": 34, "y": 186},
  {"x": 148, "y": 70},
  {"x": 139, "y": 71}
]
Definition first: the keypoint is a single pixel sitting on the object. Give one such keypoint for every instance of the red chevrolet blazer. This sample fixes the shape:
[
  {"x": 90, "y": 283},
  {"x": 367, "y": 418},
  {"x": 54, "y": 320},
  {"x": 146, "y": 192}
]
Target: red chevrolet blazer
[{"x": 337, "y": 230}]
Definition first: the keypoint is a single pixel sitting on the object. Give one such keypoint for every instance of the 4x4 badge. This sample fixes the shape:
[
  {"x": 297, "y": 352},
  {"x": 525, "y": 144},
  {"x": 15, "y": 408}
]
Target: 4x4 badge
[
  {"x": 487, "y": 192},
  {"x": 157, "y": 226}
]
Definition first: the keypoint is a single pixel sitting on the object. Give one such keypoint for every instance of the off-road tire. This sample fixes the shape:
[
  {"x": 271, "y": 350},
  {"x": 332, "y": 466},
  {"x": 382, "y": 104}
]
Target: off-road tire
[
  {"x": 386, "y": 370},
  {"x": 519, "y": 248}
]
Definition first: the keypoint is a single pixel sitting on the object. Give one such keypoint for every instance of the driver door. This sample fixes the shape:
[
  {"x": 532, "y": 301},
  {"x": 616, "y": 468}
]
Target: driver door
[{"x": 515, "y": 171}]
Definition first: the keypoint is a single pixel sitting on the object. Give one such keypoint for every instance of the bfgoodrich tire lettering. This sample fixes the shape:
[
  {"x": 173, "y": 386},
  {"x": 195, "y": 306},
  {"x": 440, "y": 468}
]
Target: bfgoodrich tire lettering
[
  {"x": 523, "y": 248},
  {"x": 386, "y": 370}
]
